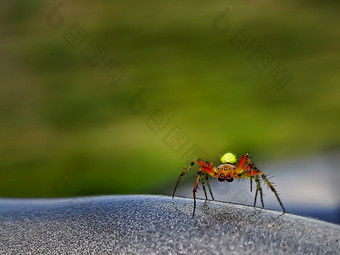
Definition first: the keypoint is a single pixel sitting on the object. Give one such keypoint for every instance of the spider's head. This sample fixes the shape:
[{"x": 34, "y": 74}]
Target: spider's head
[{"x": 227, "y": 169}]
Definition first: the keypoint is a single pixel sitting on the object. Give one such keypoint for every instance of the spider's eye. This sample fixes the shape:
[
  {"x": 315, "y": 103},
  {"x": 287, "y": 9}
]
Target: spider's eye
[
  {"x": 229, "y": 178},
  {"x": 220, "y": 179}
]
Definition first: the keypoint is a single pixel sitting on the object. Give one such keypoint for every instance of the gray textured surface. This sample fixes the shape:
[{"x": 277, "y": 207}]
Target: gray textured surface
[{"x": 156, "y": 225}]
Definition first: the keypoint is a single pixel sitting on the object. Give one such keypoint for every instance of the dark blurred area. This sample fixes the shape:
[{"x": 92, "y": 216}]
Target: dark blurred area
[{"x": 117, "y": 97}]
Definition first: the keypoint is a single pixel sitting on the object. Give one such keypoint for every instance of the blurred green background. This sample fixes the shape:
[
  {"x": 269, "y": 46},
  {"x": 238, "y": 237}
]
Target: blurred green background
[{"x": 66, "y": 130}]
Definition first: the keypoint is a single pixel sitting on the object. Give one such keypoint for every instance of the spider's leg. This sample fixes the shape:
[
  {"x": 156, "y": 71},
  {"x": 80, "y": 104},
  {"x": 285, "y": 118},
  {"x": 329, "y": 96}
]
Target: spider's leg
[
  {"x": 254, "y": 173},
  {"x": 258, "y": 189},
  {"x": 203, "y": 186},
  {"x": 245, "y": 164},
  {"x": 180, "y": 176},
  {"x": 252, "y": 168},
  {"x": 241, "y": 164},
  {"x": 274, "y": 191},
  {"x": 256, "y": 193},
  {"x": 194, "y": 191},
  {"x": 207, "y": 179}
]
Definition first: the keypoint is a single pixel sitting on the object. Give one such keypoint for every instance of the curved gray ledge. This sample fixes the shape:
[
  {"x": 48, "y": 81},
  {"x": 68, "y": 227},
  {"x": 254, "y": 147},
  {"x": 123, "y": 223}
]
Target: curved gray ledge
[{"x": 156, "y": 225}]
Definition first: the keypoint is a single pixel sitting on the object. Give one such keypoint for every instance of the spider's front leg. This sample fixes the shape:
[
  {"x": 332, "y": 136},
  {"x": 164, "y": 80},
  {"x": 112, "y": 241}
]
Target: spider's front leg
[
  {"x": 207, "y": 180},
  {"x": 203, "y": 179}
]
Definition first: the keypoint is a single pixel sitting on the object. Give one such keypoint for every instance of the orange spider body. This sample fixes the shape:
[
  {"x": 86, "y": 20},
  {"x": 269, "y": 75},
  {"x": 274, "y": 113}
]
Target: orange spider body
[{"x": 228, "y": 171}]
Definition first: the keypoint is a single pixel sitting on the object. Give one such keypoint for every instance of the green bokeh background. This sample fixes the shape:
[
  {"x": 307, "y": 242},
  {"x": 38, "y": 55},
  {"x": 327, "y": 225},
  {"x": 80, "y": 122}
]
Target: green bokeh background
[{"x": 66, "y": 131}]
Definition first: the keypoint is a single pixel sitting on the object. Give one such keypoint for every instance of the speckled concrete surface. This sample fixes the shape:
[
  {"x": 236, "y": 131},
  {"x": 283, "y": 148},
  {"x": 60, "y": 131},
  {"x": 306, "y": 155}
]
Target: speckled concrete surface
[{"x": 156, "y": 225}]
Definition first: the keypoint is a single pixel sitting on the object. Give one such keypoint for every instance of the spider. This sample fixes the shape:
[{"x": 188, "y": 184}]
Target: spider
[{"x": 228, "y": 171}]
